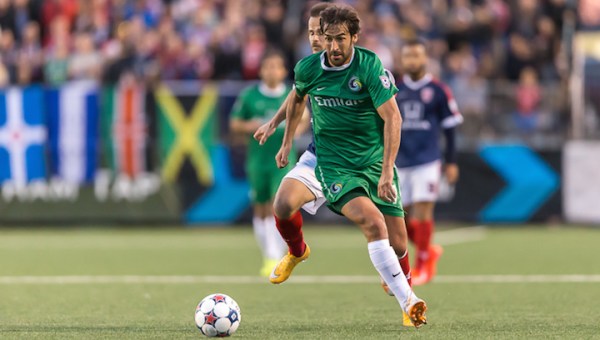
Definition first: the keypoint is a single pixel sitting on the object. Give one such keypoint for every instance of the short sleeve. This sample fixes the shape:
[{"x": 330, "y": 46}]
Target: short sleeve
[
  {"x": 380, "y": 86},
  {"x": 300, "y": 79},
  {"x": 240, "y": 107},
  {"x": 450, "y": 115}
]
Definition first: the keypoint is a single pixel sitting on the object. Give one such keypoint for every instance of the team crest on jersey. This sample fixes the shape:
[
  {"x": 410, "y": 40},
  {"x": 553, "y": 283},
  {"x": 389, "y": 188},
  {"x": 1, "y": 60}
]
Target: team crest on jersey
[
  {"x": 427, "y": 95},
  {"x": 335, "y": 188},
  {"x": 354, "y": 84},
  {"x": 385, "y": 81}
]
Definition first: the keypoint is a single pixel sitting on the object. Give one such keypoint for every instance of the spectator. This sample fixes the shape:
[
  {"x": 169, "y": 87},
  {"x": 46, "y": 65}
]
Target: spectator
[
  {"x": 528, "y": 97},
  {"x": 56, "y": 69},
  {"x": 85, "y": 62},
  {"x": 9, "y": 53},
  {"x": 4, "y": 76},
  {"x": 30, "y": 50}
]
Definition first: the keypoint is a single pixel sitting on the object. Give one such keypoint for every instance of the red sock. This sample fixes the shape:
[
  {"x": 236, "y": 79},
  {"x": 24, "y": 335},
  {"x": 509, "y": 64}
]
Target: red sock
[
  {"x": 411, "y": 226},
  {"x": 423, "y": 234},
  {"x": 291, "y": 232},
  {"x": 405, "y": 264}
]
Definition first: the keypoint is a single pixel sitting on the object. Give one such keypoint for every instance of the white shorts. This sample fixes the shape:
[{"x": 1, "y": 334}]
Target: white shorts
[
  {"x": 304, "y": 171},
  {"x": 420, "y": 183}
]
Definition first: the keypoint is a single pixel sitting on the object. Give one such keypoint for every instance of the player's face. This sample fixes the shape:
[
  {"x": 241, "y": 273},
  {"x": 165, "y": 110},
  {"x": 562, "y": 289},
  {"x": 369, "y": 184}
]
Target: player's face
[
  {"x": 273, "y": 71},
  {"x": 414, "y": 60},
  {"x": 315, "y": 36},
  {"x": 339, "y": 44}
]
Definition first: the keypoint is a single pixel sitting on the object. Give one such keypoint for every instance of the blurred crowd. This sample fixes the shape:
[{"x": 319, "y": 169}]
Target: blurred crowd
[
  {"x": 53, "y": 41},
  {"x": 471, "y": 41}
]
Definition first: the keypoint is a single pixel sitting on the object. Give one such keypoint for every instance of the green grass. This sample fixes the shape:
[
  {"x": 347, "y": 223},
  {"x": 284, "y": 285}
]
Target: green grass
[{"x": 291, "y": 311}]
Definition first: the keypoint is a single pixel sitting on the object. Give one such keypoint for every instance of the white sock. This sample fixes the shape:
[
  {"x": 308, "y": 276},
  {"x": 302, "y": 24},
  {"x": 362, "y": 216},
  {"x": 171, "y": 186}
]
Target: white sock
[
  {"x": 386, "y": 262},
  {"x": 260, "y": 233},
  {"x": 275, "y": 246}
]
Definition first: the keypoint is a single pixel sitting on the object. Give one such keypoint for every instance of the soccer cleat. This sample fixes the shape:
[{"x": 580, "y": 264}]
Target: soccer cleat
[
  {"x": 406, "y": 320},
  {"x": 386, "y": 288},
  {"x": 415, "y": 309},
  {"x": 267, "y": 268},
  {"x": 426, "y": 273},
  {"x": 286, "y": 265}
]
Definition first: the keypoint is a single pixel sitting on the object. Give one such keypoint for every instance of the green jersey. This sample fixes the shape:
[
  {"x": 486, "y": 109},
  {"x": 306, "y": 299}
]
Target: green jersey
[
  {"x": 348, "y": 130},
  {"x": 260, "y": 102}
]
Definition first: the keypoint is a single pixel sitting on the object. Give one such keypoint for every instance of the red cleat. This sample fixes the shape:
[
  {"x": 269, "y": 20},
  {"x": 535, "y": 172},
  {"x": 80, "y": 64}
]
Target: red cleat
[{"x": 425, "y": 274}]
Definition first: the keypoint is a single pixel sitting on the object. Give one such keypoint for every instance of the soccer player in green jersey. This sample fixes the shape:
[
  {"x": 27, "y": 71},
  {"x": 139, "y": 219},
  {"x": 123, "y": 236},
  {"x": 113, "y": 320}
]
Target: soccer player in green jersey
[
  {"x": 255, "y": 105},
  {"x": 356, "y": 125}
]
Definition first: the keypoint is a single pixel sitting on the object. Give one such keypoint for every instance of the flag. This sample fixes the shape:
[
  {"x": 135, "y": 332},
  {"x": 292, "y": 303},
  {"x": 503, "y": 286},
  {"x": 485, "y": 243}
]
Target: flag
[
  {"x": 124, "y": 127},
  {"x": 73, "y": 131},
  {"x": 22, "y": 135},
  {"x": 186, "y": 136}
]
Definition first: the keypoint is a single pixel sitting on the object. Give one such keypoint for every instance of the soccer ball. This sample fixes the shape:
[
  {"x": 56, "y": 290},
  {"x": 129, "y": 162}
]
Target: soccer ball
[{"x": 218, "y": 315}]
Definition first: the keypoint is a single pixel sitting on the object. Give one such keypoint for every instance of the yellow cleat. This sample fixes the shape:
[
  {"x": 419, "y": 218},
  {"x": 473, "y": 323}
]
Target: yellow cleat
[
  {"x": 406, "y": 320},
  {"x": 267, "y": 268},
  {"x": 286, "y": 265}
]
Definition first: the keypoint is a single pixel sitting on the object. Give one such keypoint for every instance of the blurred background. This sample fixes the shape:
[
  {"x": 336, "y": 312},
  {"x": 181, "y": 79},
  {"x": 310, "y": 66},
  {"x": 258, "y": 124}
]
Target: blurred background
[{"x": 116, "y": 111}]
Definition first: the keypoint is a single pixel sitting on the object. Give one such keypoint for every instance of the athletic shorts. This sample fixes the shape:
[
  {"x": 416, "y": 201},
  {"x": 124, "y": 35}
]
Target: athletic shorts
[
  {"x": 420, "y": 183},
  {"x": 341, "y": 186},
  {"x": 264, "y": 183},
  {"x": 304, "y": 171}
]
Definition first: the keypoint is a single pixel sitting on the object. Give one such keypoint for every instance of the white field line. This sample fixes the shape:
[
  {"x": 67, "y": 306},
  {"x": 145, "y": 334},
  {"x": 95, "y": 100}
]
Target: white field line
[
  {"x": 460, "y": 235},
  {"x": 299, "y": 279}
]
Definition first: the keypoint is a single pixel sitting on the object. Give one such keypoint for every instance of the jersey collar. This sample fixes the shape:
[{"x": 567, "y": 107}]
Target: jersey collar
[
  {"x": 336, "y": 68},
  {"x": 274, "y": 93},
  {"x": 415, "y": 85}
]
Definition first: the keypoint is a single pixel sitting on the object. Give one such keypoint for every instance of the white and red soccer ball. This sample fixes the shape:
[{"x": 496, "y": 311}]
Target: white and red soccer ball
[{"x": 218, "y": 315}]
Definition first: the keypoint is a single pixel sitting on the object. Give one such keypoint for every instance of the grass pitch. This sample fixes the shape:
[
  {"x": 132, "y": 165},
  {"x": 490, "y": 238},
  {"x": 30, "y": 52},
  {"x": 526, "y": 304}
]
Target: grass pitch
[{"x": 145, "y": 284}]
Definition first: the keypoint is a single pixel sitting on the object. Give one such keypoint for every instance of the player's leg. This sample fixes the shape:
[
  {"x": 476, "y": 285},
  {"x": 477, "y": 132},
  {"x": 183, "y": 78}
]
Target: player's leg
[
  {"x": 398, "y": 239},
  {"x": 363, "y": 212},
  {"x": 277, "y": 245},
  {"x": 290, "y": 197},
  {"x": 427, "y": 252},
  {"x": 299, "y": 188},
  {"x": 425, "y": 184},
  {"x": 261, "y": 197}
]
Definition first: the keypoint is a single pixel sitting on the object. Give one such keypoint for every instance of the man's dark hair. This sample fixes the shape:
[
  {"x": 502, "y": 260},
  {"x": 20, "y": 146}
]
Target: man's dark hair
[
  {"x": 319, "y": 7},
  {"x": 341, "y": 15},
  {"x": 415, "y": 42},
  {"x": 273, "y": 53}
]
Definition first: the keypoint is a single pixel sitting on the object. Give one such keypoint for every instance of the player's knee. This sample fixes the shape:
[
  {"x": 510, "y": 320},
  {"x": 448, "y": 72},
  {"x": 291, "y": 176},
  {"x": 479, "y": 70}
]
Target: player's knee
[
  {"x": 374, "y": 227},
  {"x": 283, "y": 208}
]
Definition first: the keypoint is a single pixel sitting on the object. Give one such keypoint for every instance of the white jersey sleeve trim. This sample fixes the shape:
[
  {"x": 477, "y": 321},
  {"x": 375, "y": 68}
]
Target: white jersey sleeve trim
[{"x": 452, "y": 121}]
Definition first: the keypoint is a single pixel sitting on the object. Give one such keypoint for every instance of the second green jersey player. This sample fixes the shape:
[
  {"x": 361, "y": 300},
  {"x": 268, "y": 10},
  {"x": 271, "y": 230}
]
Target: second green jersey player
[{"x": 255, "y": 105}]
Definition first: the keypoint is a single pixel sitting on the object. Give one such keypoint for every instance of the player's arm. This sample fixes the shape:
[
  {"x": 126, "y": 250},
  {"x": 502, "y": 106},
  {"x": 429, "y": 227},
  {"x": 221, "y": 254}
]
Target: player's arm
[
  {"x": 241, "y": 126},
  {"x": 389, "y": 112},
  {"x": 450, "y": 118},
  {"x": 266, "y": 130},
  {"x": 241, "y": 121},
  {"x": 294, "y": 112},
  {"x": 451, "y": 171}
]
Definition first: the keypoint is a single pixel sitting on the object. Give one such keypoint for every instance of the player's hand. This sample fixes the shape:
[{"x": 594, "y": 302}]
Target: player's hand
[
  {"x": 386, "y": 189},
  {"x": 282, "y": 156},
  {"x": 451, "y": 173},
  {"x": 264, "y": 132}
]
